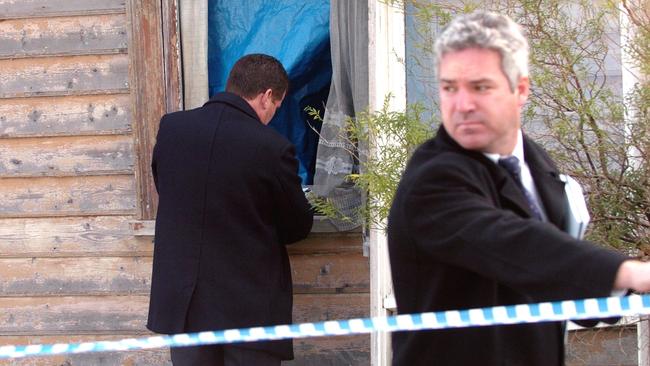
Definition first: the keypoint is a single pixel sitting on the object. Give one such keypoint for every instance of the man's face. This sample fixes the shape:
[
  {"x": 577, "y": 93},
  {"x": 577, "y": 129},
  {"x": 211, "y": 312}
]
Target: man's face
[{"x": 479, "y": 110}]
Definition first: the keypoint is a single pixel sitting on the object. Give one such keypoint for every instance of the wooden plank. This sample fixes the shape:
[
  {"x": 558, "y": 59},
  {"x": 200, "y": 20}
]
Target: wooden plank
[
  {"x": 172, "y": 50},
  {"x": 159, "y": 356},
  {"x": 49, "y": 8},
  {"x": 154, "y": 50},
  {"x": 325, "y": 243},
  {"x": 315, "y": 243},
  {"x": 340, "y": 350},
  {"x": 67, "y": 196},
  {"x": 73, "y": 314},
  {"x": 337, "y": 273},
  {"x": 102, "y": 34},
  {"x": 50, "y": 76},
  {"x": 66, "y": 156},
  {"x": 147, "y": 57},
  {"x": 150, "y": 357},
  {"x": 320, "y": 307},
  {"x": 102, "y": 236},
  {"x": 53, "y": 315},
  {"x": 118, "y": 275},
  {"x": 75, "y": 276},
  {"x": 65, "y": 116}
]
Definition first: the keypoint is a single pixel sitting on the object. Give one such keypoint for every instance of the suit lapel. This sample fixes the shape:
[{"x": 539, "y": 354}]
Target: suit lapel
[
  {"x": 511, "y": 193},
  {"x": 508, "y": 191},
  {"x": 547, "y": 181}
]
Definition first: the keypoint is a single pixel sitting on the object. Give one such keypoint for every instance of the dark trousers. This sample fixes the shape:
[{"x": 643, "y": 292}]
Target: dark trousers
[{"x": 220, "y": 355}]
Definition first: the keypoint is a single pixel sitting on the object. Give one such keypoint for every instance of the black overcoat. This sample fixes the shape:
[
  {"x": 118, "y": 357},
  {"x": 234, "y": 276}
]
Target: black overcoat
[
  {"x": 461, "y": 236},
  {"x": 230, "y": 199}
]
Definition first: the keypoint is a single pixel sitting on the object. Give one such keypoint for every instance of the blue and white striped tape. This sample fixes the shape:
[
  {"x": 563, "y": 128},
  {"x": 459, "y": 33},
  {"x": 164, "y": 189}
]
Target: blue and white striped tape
[{"x": 498, "y": 315}]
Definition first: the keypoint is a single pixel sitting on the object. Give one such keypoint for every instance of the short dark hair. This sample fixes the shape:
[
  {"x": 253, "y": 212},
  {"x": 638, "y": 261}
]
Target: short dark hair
[{"x": 254, "y": 74}]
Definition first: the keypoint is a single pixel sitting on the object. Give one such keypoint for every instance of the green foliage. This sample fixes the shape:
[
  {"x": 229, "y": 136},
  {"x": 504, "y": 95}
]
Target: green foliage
[
  {"x": 584, "y": 122},
  {"x": 387, "y": 139}
]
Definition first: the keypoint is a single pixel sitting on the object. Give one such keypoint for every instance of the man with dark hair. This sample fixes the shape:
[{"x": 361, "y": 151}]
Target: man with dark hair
[
  {"x": 230, "y": 199},
  {"x": 479, "y": 216},
  {"x": 254, "y": 74}
]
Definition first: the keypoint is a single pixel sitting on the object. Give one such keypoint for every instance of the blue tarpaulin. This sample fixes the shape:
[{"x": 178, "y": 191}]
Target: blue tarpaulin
[{"x": 296, "y": 32}]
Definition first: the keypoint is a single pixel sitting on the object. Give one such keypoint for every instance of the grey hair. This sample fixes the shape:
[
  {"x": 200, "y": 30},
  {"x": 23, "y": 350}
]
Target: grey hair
[{"x": 487, "y": 30}]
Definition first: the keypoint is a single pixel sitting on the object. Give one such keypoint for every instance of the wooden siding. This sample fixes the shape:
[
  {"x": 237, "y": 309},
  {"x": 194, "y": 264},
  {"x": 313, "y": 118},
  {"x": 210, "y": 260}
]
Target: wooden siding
[
  {"x": 55, "y": 298},
  {"x": 147, "y": 57},
  {"x": 81, "y": 35},
  {"x": 67, "y": 156},
  {"x": 78, "y": 117},
  {"x": 67, "y": 196},
  {"x": 70, "y": 268},
  {"x": 70, "y": 237},
  {"x": 52, "y": 8},
  {"x": 65, "y": 116},
  {"x": 342, "y": 350},
  {"x": 56, "y": 76}
]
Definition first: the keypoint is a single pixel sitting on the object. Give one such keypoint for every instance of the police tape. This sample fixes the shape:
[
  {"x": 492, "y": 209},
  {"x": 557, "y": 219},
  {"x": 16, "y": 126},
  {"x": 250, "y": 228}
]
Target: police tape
[{"x": 499, "y": 315}]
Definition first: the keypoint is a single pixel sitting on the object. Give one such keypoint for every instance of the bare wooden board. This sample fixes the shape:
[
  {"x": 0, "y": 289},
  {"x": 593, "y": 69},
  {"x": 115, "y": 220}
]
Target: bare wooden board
[
  {"x": 320, "y": 307},
  {"x": 153, "y": 357},
  {"x": 75, "y": 276},
  {"x": 340, "y": 350},
  {"x": 330, "y": 273},
  {"x": 95, "y": 74},
  {"x": 315, "y": 243},
  {"x": 148, "y": 81},
  {"x": 99, "y": 34},
  {"x": 49, "y": 8},
  {"x": 52, "y": 315},
  {"x": 65, "y": 116},
  {"x": 67, "y": 196},
  {"x": 326, "y": 243},
  {"x": 102, "y": 236},
  {"x": 73, "y": 314},
  {"x": 65, "y": 276},
  {"x": 150, "y": 357},
  {"x": 66, "y": 156}
]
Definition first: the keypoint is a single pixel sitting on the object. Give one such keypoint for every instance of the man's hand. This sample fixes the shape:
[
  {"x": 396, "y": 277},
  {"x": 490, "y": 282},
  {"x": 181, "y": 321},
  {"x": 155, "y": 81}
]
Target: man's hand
[{"x": 633, "y": 275}]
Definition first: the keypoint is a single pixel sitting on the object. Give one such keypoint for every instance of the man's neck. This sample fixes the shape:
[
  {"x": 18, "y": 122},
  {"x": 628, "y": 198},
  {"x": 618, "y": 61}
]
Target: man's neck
[{"x": 518, "y": 150}]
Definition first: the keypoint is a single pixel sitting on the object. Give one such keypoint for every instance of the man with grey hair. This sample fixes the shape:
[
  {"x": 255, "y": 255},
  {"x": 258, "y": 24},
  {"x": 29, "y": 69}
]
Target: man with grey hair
[{"x": 478, "y": 219}]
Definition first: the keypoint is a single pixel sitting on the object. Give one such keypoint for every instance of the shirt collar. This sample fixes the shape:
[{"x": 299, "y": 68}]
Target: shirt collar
[{"x": 518, "y": 151}]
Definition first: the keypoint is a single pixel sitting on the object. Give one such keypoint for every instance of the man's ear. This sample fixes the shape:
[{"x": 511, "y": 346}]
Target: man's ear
[
  {"x": 523, "y": 90},
  {"x": 267, "y": 97}
]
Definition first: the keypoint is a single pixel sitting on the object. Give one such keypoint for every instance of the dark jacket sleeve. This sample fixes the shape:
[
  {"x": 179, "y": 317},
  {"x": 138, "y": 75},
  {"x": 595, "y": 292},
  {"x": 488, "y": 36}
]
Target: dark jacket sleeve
[
  {"x": 294, "y": 213},
  {"x": 455, "y": 219}
]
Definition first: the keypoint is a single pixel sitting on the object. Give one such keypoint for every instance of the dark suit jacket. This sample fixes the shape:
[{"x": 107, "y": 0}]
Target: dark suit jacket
[
  {"x": 230, "y": 199},
  {"x": 461, "y": 236}
]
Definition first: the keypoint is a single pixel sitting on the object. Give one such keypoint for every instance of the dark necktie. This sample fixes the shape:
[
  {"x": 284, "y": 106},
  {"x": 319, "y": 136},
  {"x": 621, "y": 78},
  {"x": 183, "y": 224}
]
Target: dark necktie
[{"x": 511, "y": 164}]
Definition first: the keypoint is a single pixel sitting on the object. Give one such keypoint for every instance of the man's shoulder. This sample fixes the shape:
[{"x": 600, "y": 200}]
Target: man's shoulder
[
  {"x": 183, "y": 116},
  {"x": 442, "y": 165},
  {"x": 436, "y": 154}
]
